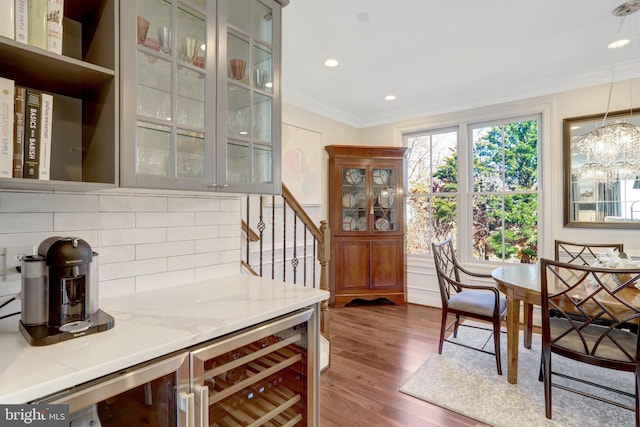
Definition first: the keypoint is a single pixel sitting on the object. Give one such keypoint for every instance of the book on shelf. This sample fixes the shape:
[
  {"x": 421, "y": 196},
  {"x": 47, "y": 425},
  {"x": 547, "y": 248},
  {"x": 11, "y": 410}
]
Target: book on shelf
[
  {"x": 21, "y": 21},
  {"x": 6, "y": 127},
  {"x": 19, "y": 106},
  {"x": 37, "y": 23},
  {"x": 54, "y": 25},
  {"x": 31, "y": 167},
  {"x": 7, "y": 25},
  {"x": 46, "y": 120}
]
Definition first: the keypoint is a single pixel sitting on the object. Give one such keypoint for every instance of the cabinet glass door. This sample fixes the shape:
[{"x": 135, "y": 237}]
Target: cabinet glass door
[
  {"x": 384, "y": 199},
  {"x": 171, "y": 80},
  {"x": 250, "y": 150},
  {"x": 354, "y": 195}
]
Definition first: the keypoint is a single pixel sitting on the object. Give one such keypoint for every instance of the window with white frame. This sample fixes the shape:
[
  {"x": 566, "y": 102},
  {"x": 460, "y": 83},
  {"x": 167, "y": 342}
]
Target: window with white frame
[{"x": 491, "y": 200}]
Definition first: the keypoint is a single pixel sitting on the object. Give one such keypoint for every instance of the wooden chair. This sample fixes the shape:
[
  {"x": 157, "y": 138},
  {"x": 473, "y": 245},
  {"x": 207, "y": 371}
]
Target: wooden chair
[
  {"x": 466, "y": 300},
  {"x": 582, "y": 253},
  {"x": 590, "y": 306}
]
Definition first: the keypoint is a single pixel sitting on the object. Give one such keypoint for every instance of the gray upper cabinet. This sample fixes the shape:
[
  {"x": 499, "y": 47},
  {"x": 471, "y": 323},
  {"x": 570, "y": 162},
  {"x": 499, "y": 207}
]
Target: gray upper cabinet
[
  {"x": 84, "y": 83},
  {"x": 200, "y": 108}
]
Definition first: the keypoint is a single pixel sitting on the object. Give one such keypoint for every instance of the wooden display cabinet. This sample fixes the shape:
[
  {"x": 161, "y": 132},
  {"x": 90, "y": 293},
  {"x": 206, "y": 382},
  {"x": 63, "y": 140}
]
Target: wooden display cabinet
[{"x": 366, "y": 215}]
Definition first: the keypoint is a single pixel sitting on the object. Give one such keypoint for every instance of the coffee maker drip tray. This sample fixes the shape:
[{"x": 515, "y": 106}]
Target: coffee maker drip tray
[{"x": 44, "y": 335}]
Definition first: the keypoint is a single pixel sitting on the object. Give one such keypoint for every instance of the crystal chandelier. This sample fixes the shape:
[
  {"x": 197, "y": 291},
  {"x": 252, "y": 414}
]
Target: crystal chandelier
[{"x": 612, "y": 150}]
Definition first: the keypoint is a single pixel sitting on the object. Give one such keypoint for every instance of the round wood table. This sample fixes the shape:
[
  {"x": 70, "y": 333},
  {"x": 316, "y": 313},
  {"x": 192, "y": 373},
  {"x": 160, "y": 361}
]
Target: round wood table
[{"x": 520, "y": 282}]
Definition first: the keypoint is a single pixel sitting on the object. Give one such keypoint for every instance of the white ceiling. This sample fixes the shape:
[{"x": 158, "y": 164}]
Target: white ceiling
[{"x": 446, "y": 55}]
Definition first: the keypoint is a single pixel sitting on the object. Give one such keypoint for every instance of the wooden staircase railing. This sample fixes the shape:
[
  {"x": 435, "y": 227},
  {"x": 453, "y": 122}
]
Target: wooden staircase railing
[{"x": 284, "y": 238}]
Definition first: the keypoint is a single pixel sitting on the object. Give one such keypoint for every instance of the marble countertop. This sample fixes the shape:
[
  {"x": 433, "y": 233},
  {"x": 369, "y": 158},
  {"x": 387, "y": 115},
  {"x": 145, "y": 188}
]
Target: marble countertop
[{"x": 147, "y": 325}]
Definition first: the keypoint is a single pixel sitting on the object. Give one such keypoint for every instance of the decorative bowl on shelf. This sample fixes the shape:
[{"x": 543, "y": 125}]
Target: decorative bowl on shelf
[
  {"x": 352, "y": 176},
  {"x": 349, "y": 223},
  {"x": 382, "y": 224}
]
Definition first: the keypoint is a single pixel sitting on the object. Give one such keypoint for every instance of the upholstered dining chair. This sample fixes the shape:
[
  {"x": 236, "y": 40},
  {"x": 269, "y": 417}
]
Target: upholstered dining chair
[
  {"x": 582, "y": 253},
  {"x": 463, "y": 299},
  {"x": 603, "y": 300}
]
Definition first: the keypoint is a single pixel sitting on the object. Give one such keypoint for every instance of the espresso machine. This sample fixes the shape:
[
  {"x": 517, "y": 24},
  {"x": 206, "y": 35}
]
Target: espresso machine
[{"x": 60, "y": 292}]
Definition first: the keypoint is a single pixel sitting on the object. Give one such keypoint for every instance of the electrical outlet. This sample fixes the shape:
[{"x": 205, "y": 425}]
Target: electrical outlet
[{"x": 12, "y": 258}]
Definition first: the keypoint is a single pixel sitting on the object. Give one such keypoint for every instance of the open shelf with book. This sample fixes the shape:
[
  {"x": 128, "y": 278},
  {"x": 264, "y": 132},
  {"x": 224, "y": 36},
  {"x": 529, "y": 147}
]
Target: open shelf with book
[{"x": 84, "y": 83}]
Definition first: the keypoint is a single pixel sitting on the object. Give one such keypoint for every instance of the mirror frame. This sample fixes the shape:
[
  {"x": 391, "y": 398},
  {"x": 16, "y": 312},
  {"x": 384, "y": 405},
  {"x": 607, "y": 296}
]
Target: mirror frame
[{"x": 595, "y": 120}]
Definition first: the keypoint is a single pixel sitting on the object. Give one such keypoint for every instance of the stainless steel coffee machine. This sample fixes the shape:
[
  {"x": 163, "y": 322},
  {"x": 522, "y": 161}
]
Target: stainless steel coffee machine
[{"x": 60, "y": 292}]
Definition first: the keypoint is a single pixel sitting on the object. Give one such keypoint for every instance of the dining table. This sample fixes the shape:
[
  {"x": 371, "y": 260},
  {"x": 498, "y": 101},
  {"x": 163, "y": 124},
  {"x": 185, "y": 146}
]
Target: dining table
[{"x": 520, "y": 283}]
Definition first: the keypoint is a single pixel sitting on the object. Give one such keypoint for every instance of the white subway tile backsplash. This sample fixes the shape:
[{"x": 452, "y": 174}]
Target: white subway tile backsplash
[
  {"x": 229, "y": 256},
  {"x": 63, "y": 221},
  {"x": 165, "y": 219},
  {"x": 144, "y": 239},
  {"x": 113, "y": 254},
  {"x": 218, "y": 271},
  {"x": 25, "y": 222},
  {"x": 158, "y": 250},
  {"x": 230, "y": 205},
  {"x": 114, "y": 288},
  {"x": 218, "y": 218},
  {"x": 121, "y": 270},
  {"x": 108, "y": 220},
  {"x": 223, "y": 244},
  {"x": 230, "y": 232},
  {"x": 48, "y": 202},
  {"x": 192, "y": 233},
  {"x": 132, "y": 203},
  {"x": 192, "y": 261},
  {"x": 184, "y": 204},
  {"x": 131, "y": 236},
  {"x": 164, "y": 280}
]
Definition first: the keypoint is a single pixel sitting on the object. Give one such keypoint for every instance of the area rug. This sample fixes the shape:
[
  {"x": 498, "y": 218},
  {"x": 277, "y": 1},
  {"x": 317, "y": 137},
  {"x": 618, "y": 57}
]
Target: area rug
[{"x": 465, "y": 381}]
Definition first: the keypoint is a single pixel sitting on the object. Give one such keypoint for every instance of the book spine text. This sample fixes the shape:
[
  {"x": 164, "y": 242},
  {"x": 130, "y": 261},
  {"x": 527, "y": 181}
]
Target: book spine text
[
  {"x": 18, "y": 130},
  {"x": 32, "y": 136},
  {"x": 6, "y": 127}
]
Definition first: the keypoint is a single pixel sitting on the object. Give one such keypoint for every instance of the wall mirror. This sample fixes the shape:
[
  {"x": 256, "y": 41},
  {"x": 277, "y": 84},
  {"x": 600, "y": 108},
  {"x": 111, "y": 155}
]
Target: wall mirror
[{"x": 601, "y": 190}]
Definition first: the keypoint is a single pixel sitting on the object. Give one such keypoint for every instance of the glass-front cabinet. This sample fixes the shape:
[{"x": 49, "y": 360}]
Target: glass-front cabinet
[
  {"x": 366, "y": 216},
  {"x": 199, "y": 109},
  {"x": 374, "y": 210}
]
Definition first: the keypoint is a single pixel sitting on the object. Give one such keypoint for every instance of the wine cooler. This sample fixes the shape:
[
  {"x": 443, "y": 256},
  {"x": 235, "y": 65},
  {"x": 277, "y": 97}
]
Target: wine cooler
[
  {"x": 153, "y": 394},
  {"x": 264, "y": 376}
]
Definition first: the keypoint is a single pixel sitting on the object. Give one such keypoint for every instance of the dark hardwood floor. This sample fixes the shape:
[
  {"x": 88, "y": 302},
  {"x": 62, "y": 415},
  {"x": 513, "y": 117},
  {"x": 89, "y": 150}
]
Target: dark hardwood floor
[{"x": 374, "y": 351}]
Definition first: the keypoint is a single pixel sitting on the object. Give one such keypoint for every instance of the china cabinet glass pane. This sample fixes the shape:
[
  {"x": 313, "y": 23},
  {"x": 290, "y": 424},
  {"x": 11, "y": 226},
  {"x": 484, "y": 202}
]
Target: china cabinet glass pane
[
  {"x": 238, "y": 115},
  {"x": 238, "y": 54},
  {"x": 262, "y": 164},
  {"x": 262, "y": 71},
  {"x": 190, "y": 158},
  {"x": 153, "y": 149},
  {"x": 262, "y": 118},
  {"x": 354, "y": 212},
  {"x": 191, "y": 35},
  {"x": 238, "y": 165},
  {"x": 190, "y": 99},
  {"x": 262, "y": 22},
  {"x": 153, "y": 88},
  {"x": 239, "y": 12},
  {"x": 385, "y": 208}
]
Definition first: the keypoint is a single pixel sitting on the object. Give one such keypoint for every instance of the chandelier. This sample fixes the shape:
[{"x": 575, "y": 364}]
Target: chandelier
[{"x": 612, "y": 150}]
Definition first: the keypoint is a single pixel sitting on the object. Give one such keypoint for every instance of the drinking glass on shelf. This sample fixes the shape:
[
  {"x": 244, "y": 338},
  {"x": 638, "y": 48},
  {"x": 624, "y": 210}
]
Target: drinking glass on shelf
[
  {"x": 143, "y": 28},
  {"x": 190, "y": 49},
  {"x": 164, "y": 36}
]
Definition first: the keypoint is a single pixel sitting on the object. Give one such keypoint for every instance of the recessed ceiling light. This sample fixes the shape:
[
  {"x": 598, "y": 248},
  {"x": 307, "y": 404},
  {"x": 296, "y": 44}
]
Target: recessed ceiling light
[
  {"x": 390, "y": 97},
  {"x": 618, "y": 43},
  {"x": 331, "y": 62}
]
